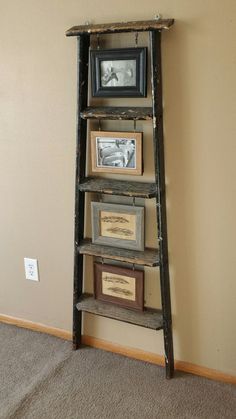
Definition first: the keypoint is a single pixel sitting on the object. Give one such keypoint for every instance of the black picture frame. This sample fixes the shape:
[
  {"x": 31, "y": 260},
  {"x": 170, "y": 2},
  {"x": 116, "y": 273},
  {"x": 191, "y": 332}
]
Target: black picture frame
[{"x": 125, "y": 80}]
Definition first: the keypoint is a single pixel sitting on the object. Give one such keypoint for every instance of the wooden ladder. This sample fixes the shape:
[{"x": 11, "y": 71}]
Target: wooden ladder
[{"x": 150, "y": 318}]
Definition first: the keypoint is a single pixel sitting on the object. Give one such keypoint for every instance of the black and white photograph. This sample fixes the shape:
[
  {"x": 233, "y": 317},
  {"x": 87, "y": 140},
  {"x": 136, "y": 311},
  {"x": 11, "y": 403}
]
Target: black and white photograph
[
  {"x": 116, "y": 152},
  {"x": 119, "y": 72}
]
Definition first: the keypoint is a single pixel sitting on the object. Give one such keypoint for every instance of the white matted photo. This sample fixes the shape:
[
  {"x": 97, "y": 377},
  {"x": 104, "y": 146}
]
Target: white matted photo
[{"x": 116, "y": 152}]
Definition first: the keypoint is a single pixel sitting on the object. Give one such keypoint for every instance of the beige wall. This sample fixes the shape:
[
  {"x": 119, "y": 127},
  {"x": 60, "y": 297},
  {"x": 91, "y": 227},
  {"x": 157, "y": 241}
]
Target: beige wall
[{"x": 37, "y": 140}]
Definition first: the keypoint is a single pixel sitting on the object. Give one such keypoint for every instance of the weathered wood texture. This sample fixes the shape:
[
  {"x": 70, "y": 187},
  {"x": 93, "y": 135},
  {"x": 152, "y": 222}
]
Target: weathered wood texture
[
  {"x": 149, "y": 257},
  {"x": 82, "y": 77},
  {"x": 150, "y": 318},
  {"x": 159, "y": 158},
  {"x": 122, "y": 113},
  {"x": 137, "y": 26},
  {"x": 154, "y": 319},
  {"x": 119, "y": 187}
]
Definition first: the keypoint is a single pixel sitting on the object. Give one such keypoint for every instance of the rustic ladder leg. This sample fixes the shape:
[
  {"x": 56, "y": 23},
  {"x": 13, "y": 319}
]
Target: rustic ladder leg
[
  {"x": 158, "y": 143},
  {"x": 82, "y": 92}
]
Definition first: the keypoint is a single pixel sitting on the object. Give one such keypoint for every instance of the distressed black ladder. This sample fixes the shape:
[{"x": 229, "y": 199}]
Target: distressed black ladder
[{"x": 151, "y": 318}]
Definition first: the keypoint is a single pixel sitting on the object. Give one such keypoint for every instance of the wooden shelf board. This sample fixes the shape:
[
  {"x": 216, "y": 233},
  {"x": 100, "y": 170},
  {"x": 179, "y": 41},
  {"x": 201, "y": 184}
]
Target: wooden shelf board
[
  {"x": 149, "y": 257},
  {"x": 137, "y": 26},
  {"x": 150, "y": 318},
  {"x": 123, "y": 113},
  {"x": 119, "y": 187}
]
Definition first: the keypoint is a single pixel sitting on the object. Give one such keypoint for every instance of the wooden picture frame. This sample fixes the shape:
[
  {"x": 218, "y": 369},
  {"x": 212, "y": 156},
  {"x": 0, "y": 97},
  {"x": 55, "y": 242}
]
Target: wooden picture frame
[
  {"x": 119, "y": 72},
  {"x": 116, "y": 152},
  {"x": 118, "y": 225},
  {"x": 119, "y": 285}
]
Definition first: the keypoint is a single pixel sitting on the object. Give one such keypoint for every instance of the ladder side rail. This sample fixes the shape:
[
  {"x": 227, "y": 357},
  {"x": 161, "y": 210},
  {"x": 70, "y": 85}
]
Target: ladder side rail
[
  {"x": 81, "y": 134},
  {"x": 158, "y": 144}
]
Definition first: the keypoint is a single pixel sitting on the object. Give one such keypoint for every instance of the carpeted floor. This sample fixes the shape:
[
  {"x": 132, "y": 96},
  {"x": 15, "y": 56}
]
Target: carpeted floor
[{"x": 42, "y": 378}]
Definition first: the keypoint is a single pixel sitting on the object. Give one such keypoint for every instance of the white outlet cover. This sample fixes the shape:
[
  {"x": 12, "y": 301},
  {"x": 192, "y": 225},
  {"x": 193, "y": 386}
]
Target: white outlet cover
[{"x": 31, "y": 269}]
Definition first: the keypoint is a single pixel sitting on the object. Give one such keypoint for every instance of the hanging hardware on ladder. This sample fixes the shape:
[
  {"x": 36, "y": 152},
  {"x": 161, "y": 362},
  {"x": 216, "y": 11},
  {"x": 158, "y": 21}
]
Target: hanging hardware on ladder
[
  {"x": 133, "y": 266},
  {"x": 133, "y": 201},
  {"x": 135, "y": 125},
  {"x": 99, "y": 124},
  {"x": 158, "y": 16},
  {"x": 136, "y": 39},
  {"x": 98, "y": 41}
]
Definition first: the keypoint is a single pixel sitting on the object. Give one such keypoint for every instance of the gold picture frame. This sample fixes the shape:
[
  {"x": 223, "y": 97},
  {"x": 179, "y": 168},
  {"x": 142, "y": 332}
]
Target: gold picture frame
[{"x": 116, "y": 152}]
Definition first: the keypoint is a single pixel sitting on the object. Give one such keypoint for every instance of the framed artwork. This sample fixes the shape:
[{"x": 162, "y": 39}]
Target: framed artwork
[
  {"x": 119, "y": 72},
  {"x": 118, "y": 285},
  {"x": 116, "y": 152},
  {"x": 118, "y": 225}
]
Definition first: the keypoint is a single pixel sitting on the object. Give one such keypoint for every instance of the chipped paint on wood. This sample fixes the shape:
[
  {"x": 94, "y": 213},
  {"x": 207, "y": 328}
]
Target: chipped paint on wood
[
  {"x": 82, "y": 62},
  {"x": 119, "y": 187},
  {"x": 158, "y": 146},
  {"x": 121, "y": 113},
  {"x": 149, "y": 318},
  {"x": 136, "y": 26},
  {"x": 154, "y": 122},
  {"x": 148, "y": 257}
]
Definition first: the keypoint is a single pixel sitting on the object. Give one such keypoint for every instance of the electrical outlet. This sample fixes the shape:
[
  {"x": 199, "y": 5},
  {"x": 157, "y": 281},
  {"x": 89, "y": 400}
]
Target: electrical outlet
[{"x": 31, "y": 269}]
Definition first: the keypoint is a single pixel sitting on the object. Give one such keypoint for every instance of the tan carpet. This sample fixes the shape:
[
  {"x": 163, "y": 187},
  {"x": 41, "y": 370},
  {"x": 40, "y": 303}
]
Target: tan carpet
[{"x": 42, "y": 378}]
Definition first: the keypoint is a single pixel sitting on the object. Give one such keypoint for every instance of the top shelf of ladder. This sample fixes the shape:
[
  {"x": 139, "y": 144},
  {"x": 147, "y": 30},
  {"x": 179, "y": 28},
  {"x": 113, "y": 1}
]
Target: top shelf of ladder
[{"x": 106, "y": 28}]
